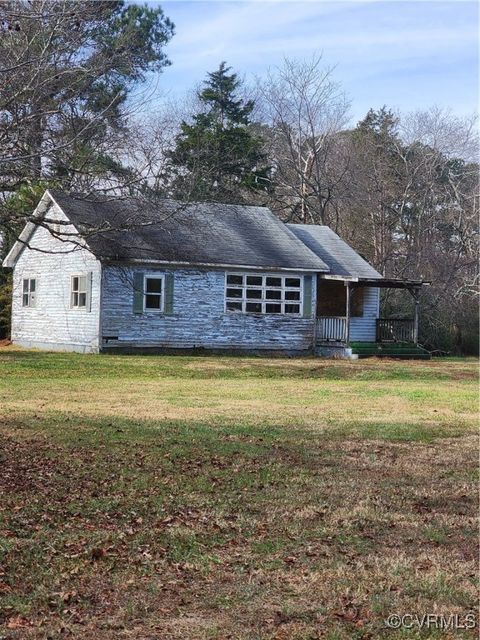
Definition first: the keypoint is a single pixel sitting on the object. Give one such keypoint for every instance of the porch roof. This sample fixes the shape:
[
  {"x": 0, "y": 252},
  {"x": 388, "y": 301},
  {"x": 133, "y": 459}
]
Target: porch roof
[{"x": 384, "y": 283}]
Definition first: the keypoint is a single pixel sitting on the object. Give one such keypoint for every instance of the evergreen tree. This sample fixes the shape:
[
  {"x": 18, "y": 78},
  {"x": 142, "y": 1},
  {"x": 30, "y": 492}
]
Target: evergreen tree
[
  {"x": 18, "y": 206},
  {"x": 218, "y": 156}
]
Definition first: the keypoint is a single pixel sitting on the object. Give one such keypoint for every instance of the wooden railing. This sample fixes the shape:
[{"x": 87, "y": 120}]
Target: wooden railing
[
  {"x": 395, "y": 330},
  {"x": 332, "y": 329}
]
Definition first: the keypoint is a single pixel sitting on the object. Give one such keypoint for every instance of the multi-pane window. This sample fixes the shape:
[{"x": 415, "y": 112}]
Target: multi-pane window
[
  {"x": 78, "y": 297},
  {"x": 29, "y": 292},
  {"x": 263, "y": 294},
  {"x": 153, "y": 294}
]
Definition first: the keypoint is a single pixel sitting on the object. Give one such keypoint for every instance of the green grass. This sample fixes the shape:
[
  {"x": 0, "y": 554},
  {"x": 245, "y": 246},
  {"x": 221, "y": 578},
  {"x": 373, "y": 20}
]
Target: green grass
[{"x": 190, "y": 497}]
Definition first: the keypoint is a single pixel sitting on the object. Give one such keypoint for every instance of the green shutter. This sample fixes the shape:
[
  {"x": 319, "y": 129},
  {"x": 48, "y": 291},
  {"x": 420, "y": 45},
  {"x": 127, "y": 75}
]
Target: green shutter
[
  {"x": 168, "y": 293},
  {"x": 307, "y": 296},
  {"x": 138, "y": 291}
]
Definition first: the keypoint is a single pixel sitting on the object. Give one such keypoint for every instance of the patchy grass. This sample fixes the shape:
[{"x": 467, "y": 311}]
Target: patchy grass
[{"x": 245, "y": 498}]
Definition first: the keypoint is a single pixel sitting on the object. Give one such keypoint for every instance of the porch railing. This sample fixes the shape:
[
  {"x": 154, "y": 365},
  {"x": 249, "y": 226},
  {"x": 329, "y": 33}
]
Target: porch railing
[
  {"x": 332, "y": 329},
  {"x": 395, "y": 330}
]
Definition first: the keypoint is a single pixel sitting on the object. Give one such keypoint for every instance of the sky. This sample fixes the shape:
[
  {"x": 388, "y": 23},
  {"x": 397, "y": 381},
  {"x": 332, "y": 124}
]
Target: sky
[{"x": 407, "y": 55}]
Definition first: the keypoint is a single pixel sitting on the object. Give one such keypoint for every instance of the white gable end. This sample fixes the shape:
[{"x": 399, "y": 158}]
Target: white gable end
[{"x": 52, "y": 321}]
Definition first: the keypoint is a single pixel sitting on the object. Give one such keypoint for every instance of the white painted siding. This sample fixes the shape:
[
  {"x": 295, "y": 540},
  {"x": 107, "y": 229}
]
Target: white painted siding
[
  {"x": 363, "y": 329},
  {"x": 198, "y": 319},
  {"x": 52, "y": 324}
]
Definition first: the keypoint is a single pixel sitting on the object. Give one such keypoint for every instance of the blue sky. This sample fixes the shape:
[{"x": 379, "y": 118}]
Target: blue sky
[{"x": 407, "y": 55}]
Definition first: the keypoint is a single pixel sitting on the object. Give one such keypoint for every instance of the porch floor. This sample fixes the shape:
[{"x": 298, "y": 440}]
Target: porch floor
[{"x": 402, "y": 350}]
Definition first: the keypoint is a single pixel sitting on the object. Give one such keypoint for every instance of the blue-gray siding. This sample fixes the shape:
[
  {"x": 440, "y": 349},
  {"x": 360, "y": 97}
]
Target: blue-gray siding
[
  {"x": 363, "y": 329},
  {"x": 199, "y": 318}
]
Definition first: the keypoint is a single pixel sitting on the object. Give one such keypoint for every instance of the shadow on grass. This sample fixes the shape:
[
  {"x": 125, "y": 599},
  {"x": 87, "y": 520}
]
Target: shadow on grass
[
  {"x": 219, "y": 433},
  {"x": 24, "y": 363}
]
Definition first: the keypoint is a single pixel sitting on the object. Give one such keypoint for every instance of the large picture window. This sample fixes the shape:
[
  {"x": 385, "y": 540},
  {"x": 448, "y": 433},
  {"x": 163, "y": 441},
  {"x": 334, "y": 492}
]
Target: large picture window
[
  {"x": 268, "y": 294},
  {"x": 29, "y": 292}
]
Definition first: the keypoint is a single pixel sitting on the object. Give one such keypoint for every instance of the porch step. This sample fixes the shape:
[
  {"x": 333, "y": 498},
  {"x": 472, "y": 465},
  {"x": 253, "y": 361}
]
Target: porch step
[{"x": 402, "y": 350}]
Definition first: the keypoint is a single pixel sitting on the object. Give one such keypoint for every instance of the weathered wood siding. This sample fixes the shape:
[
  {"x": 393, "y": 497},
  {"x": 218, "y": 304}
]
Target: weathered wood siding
[
  {"x": 198, "y": 318},
  {"x": 52, "y": 324},
  {"x": 363, "y": 329}
]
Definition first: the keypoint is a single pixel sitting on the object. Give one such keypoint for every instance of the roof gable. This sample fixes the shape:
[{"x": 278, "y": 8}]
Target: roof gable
[
  {"x": 47, "y": 215},
  {"x": 28, "y": 231}
]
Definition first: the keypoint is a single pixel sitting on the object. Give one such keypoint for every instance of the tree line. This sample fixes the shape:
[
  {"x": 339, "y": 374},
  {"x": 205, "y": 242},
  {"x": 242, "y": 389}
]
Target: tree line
[{"x": 74, "y": 114}]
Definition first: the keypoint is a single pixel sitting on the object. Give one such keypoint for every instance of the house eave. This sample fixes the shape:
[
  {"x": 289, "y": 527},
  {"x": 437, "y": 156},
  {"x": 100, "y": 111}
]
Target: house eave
[{"x": 206, "y": 265}]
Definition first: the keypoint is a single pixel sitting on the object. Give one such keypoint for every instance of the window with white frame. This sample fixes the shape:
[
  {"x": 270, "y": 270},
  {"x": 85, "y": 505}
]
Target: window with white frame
[
  {"x": 258, "y": 293},
  {"x": 154, "y": 293},
  {"x": 29, "y": 292},
  {"x": 78, "y": 297}
]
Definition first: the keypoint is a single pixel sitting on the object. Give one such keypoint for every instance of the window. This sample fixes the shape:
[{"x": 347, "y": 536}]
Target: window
[
  {"x": 263, "y": 294},
  {"x": 153, "y": 297},
  {"x": 29, "y": 292},
  {"x": 78, "y": 298}
]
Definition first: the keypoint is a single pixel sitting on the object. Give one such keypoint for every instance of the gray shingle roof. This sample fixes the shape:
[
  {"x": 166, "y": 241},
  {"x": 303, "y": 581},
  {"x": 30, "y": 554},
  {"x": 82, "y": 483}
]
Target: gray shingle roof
[
  {"x": 331, "y": 249},
  {"x": 207, "y": 233}
]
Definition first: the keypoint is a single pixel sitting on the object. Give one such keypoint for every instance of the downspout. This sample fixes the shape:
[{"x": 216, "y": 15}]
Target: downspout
[
  {"x": 100, "y": 308},
  {"x": 314, "y": 311}
]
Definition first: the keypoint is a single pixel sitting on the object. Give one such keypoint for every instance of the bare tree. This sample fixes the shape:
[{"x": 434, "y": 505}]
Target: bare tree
[
  {"x": 152, "y": 138},
  {"x": 411, "y": 207},
  {"x": 303, "y": 110}
]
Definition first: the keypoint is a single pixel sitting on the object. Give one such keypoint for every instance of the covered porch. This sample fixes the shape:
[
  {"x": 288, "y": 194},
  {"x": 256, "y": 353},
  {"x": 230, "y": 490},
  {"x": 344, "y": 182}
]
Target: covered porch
[{"x": 348, "y": 315}]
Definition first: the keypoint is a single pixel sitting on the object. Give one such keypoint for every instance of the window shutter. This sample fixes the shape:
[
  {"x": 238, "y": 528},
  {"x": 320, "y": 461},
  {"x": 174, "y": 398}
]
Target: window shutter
[
  {"x": 88, "y": 290},
  {"x": 138, "y": 279},
  {"x": 307, "y": 296},
  {"x": 35, "y": 293},
  {"x": 168, "y": 307}
]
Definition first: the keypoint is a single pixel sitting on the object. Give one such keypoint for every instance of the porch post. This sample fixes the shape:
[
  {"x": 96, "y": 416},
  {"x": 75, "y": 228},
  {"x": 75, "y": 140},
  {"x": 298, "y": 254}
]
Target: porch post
[
  {"x": 347, "y": 313},
  {"x": 414, "y": 293}
]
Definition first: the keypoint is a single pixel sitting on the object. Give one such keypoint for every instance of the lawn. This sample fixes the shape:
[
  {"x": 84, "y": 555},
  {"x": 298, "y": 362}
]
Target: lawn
[{"x": 157, "y": 498}]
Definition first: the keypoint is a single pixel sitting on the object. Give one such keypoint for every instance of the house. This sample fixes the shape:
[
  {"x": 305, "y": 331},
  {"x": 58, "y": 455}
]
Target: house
[{"x": 121, "y": 274}]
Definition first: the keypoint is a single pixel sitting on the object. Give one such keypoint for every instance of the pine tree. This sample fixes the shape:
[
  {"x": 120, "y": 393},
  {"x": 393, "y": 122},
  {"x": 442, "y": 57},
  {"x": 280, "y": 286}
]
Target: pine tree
[{"x": 218, "y": 156}]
